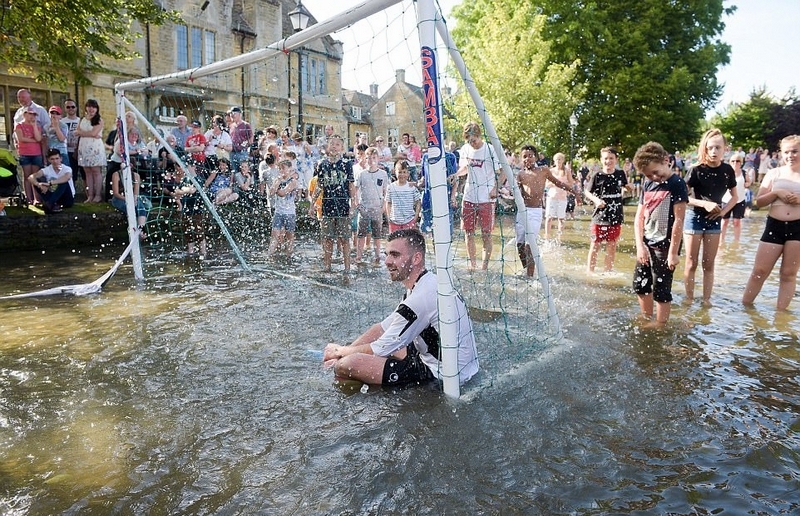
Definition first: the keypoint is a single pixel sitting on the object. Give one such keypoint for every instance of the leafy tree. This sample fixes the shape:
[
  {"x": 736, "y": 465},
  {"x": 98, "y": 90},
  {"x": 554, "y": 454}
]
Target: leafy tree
[
  {"x": 745, "y": 125},
  {"x": 648, "y": 67},
  {"x": 60, "y": 41},
  {"x": 761, "y": 121},
  {"x": 528, "y": 98}
]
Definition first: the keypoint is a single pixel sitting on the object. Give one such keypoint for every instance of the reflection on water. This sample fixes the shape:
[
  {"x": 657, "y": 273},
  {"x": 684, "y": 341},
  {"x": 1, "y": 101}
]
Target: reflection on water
[{"x": 196, "y": 394}]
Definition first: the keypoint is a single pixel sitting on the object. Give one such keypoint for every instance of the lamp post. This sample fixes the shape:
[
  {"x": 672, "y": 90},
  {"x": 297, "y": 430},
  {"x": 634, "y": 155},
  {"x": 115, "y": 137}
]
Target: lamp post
[
  {"x": 573, "y": 123},
  {"x": 299, "y": 17}
]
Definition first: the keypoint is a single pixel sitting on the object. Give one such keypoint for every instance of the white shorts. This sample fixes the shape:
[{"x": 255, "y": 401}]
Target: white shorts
[
  {"x": 556, "y": 208},
  {"x": 534, "y": 218}
]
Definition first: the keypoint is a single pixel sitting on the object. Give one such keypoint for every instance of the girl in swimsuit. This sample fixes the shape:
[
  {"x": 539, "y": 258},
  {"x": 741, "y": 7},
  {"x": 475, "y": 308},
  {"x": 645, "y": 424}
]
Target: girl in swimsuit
[{"x": 780, "y": 190}]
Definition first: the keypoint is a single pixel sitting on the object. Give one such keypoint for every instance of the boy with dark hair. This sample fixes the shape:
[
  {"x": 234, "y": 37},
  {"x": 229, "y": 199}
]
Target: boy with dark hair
[
  {"x": 605, "y": 191},
  {"x": 659, "y": 229}
]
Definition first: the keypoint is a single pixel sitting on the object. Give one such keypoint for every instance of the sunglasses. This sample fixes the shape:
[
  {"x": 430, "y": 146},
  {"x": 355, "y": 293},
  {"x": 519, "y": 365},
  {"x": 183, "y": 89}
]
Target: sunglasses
[
  {"x": 71, "y": 107},
  {"x": 54, "y": 112}
]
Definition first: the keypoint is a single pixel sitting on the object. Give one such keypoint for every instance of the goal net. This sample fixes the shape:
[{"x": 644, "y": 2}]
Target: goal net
[{"x": 375, "y": 72}]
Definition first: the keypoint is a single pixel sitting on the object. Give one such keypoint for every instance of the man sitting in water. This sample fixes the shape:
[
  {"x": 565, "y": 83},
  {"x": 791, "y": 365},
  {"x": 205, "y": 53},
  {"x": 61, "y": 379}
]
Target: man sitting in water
[{"x": 404, "y": 348}]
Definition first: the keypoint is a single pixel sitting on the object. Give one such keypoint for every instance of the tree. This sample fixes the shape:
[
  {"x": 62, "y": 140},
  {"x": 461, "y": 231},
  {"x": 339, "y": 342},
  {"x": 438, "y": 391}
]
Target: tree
[
  {"x": 762, "y": 121},
  {"x": 528, "y": 99},
  {"x": 59, "y": 42},
  {"x": 648, "y": 67}
]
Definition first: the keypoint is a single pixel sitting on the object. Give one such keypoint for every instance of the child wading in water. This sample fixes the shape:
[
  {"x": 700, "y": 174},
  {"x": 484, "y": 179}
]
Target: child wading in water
[
  {"x": 780, "y": 190},
  {"x": 659, "y": 229},
  {"x": 284, "y": 220},
  {"x": 707, "y": 181}
]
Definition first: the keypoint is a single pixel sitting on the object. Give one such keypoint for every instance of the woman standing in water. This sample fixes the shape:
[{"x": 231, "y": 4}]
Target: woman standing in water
[
  {"x": 707, "y": 181},
  {"x": 780, "y": 190}
]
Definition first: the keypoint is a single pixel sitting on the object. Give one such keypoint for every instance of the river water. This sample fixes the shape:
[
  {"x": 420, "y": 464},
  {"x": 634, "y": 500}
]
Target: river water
[{"x": 195, "y": 393}]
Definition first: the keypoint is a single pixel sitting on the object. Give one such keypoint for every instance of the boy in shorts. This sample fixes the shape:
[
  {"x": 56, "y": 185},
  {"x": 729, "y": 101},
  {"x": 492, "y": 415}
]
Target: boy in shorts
[
  {"x": 605, "y": 191},
  {"x": 659, "y": 230}
]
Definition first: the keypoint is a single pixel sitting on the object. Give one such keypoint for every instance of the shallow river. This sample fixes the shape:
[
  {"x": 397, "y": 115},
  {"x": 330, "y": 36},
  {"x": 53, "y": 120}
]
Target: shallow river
[{"x": 195, "y": 393}]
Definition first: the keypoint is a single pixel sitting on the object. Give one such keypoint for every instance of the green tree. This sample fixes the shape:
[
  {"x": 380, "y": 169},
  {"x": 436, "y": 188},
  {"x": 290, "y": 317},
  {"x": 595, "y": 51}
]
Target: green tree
[
  {"x": 59, "y": 42},
  {"x": 649, "y": 66},
  {"x": 761, "y": 121},
  {"x": 645, "y": 69},
  {"x": 528, "y": 98}
]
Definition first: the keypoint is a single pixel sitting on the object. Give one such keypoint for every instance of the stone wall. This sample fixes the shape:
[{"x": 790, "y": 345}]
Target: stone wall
[{"x": 61, "y": 230}]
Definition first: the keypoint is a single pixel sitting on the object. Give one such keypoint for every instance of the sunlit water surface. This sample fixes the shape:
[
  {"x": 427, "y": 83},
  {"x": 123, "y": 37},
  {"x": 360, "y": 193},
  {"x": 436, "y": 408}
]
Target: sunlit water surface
[{"x": 196, "y": 393}]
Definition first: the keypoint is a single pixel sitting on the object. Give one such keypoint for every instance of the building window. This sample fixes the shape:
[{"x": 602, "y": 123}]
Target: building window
[
  {"x": 313, "y": 72},
  {"x": 194, "y": 51},
  {"x": 355, "y": 112},
  {"x": 210, "y": 54},
  {"x": 390, "y": 109},
  {"x": 393, "y": 132},
  {"x": 182, "y": 46}
]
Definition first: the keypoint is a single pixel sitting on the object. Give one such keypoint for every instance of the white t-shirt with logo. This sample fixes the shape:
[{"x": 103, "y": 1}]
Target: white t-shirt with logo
[{"x": 481, "y": 176}]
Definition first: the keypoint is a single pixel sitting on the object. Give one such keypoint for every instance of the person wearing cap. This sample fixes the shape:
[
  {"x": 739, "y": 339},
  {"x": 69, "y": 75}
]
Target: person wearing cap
[
  {"x": 182, "y": 131},
  {"x": 28, "y": 135},
  {"x": 196, "y": 144},
  {"x": 57, "y": 134},
  {"x": 242, "y": 137}
]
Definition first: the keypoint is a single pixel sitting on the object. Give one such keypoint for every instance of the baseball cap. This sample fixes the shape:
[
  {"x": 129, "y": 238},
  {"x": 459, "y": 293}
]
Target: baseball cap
[
  {"x": 54, "y": 108},
  {"x": 195, "y": 123},
  {"x": 236, "y": 109},
  {"x": 31, "y": 109}
]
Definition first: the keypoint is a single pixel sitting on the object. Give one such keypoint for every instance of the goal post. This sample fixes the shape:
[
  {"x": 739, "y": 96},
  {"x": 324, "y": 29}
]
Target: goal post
[{"x": 514, "y": 314}]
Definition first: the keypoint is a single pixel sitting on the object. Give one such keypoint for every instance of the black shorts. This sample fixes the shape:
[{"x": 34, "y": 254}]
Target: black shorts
[
  {"x": 780, "y": 231},
  {"x": 407, "y": 371},
  {"x": 737, "y": 212},
  {"x": 655, "y": 277}
]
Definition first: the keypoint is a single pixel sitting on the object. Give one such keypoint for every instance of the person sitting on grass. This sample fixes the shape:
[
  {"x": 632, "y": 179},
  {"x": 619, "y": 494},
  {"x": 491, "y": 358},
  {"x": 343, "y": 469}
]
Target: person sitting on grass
[{"x": 52, "y": 184}]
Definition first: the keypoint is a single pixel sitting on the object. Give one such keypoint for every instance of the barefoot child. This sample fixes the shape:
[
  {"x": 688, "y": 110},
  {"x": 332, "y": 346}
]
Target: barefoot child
[
  {"x": 604, "y": 189},
  {"x": 284, "y": 221},
  {"x": 780, "y": 190},
  {"x": 658, "y": 229},
  {"x": 707, "y": 182}
]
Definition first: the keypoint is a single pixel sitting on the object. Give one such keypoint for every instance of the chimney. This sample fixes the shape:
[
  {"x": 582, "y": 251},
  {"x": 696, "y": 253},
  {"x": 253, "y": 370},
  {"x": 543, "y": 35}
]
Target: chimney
[
  {"x": 373, "y": 91},
  {"x": 400, "y": 76}
]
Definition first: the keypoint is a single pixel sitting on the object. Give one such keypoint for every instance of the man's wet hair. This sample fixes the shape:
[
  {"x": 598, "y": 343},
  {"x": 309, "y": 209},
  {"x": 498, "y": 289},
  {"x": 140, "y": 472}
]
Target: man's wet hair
[
  {"x": 530, "y": 148},
  {"x": 415, "y": 239}
]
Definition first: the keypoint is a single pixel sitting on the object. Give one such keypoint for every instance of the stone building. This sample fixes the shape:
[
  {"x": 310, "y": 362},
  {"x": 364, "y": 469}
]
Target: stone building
[
  {"x": 268, "y": 91},
  {"x": 398, "y": 111}
]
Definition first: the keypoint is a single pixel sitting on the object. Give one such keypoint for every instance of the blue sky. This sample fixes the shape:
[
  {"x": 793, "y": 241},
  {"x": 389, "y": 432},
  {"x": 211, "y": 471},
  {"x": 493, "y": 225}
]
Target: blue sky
[{"x": 764, "y": 36}]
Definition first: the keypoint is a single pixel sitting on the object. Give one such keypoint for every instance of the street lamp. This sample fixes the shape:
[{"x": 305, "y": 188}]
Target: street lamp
[
  {"x": 299, "y": 17},
  {"x": 573, "y": 123}
]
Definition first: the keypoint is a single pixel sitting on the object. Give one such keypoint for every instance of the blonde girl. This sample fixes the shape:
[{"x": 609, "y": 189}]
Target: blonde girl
[
  {"x": 707, "y": 182},
  {"x": 780, "y": 190}
]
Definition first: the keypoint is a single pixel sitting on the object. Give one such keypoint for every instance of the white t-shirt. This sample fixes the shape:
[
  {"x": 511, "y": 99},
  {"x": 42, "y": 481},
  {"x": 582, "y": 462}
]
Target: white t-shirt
[
  {"x": 50, "y": 174},
  {"x": 213, "y": 140},
  {"x": 403, "y": 199},
  {"x": 481, "y": 175},
  {"x": 372, "y": 188},
  {"x": 418, "y": 312}
]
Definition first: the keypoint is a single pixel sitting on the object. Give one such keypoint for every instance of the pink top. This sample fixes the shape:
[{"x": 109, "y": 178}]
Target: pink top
[{"x": 28, "y": 148}]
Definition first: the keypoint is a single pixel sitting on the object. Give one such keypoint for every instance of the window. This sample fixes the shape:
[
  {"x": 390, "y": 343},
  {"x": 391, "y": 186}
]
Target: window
[
  {"x": 194, "y": 48},
  {"x": 313, "y": 72},
  {"x": 355, "y": 112},
  {"x": 210, "y": 54},
  {"x": 393, "y": 132},
  {"x": 197, "y": 47},
  {"x": 182, "y": 46},
  {"x": 390, "y": 109}
]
